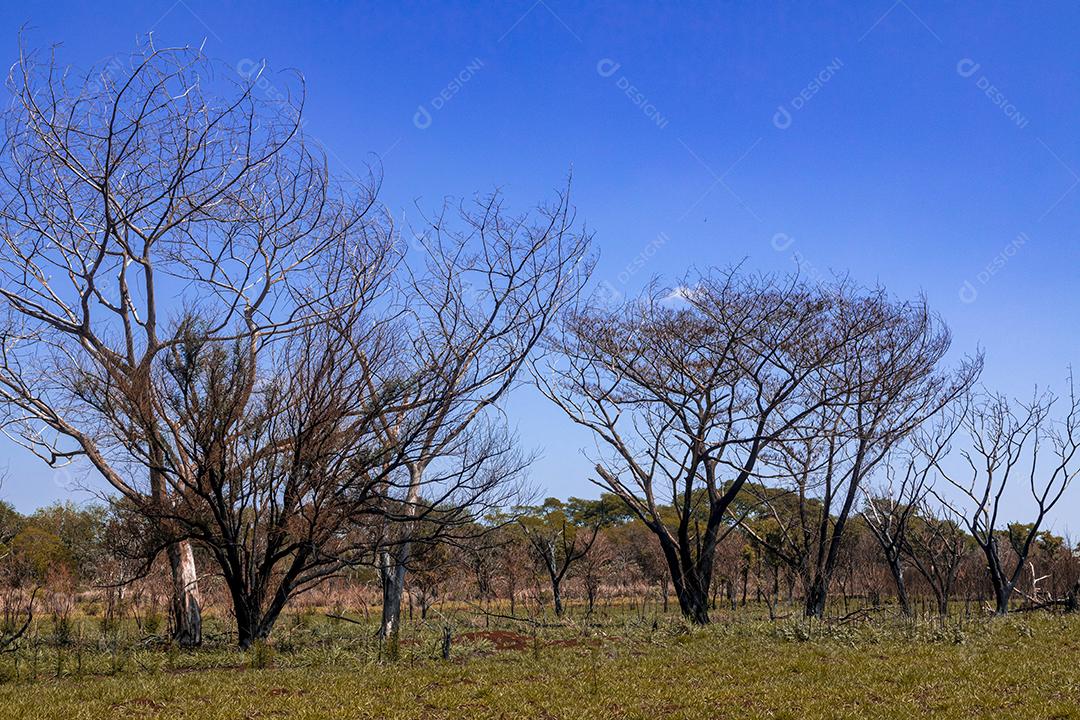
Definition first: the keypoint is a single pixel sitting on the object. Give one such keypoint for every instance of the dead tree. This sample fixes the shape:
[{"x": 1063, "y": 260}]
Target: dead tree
[
  {"x": 888, "y": 512},
  {"x": 288, "y": 465},
  {"x": 557, "y": 542},
  {"x": 885, "y": 385},
  {"x": 894, "y": 505},
  {"x": 685, "y": 388},
  {"x": 936, "y": 544},
  {"x": 130, "y": 196},
  {"x": 476, "y": 305},
  {"x": 275, "y": 470},
  {"x": 1011, "y": 442}
]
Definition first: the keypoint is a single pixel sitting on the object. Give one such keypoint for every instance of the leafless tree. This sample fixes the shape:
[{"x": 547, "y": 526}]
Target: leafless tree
[
  {"x": 133, "y": 196},
  {"x": 894, "y": 505},
  {"x": 558, "y": 542},
  {"x": 686, "y": 388},
  {"x": 1012, "y": 442},
  {"x": 937, "y": 543},
  {"x": 276, "y": 470},
  {"x": 478, "y": 301},
  {"x": 886, "y": 384},
  {"x": 887, "y": 513}
]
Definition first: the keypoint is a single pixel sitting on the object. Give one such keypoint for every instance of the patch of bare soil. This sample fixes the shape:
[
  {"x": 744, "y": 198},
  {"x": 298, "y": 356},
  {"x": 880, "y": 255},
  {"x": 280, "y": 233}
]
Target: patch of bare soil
[{"x": 499, "y": 639}]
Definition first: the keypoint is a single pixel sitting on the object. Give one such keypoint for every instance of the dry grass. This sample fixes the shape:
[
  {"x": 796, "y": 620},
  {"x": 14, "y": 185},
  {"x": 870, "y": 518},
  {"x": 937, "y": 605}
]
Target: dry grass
[{"x": 1022, "y": 667}]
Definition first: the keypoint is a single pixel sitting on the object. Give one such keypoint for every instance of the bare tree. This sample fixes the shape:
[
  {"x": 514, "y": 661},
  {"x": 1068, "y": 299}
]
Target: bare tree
[
  {"x": 887, "y": 513},
  {"x": 133, "y": 196},
  {"x": 686, "y": 388},
  {"x": 558, "y": 542},
  {"x": 901, "y": 501},
  {"x": 937, "y": 544},
  {"x": 275, "y": 471},
  {"x": 885, "y": 385},
  {"x": 1011, "y": 442},
  {"x": 476, "y": 308}
]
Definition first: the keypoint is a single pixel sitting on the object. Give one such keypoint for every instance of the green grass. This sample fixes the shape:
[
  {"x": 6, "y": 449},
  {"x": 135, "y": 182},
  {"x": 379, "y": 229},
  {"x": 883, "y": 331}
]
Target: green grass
[{"x": 1023, "y": 667}]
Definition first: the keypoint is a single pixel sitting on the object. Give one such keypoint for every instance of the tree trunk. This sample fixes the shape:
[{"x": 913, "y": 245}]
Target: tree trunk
[
  {"x": 186, "y": 602},
  {"x": 816, "y": 597},
  {"x": 255, "y": 618},
  {"x": 247, "y": 630},
  {"x": 1003, "y": 588},
  {"x": 556, "y": 596},
  {"x": 694, "y": 603},
  {"x": 1002, "y": 594},
  {"x": 897, "y": 570},
  {"x": 392, "y": 573},
  {"x": 392, "y": 564}
]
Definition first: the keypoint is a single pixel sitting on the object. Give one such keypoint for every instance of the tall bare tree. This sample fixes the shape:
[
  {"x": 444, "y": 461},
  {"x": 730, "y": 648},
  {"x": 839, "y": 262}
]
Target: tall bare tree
[
  {"x": 900, "y": 500},
  {"x": 886, "y": 385},
  {"x": 484, "y": 292},
  {"x": 134, "y": 195},
  {"x": 937, "y": 544},
  {"x": 685, "y": 389},
  {"x": 1010, "y": 443}
]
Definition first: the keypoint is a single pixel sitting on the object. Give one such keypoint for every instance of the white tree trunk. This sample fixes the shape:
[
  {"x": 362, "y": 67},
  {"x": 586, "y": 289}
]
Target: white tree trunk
[{"x": 186, "y": 601}]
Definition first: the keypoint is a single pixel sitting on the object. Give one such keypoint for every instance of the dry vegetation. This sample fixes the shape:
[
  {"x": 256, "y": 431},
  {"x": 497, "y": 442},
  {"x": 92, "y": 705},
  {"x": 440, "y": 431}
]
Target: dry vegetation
[
  {"x": 317, "y": 505},
  {"x": 618, "y": 665}
]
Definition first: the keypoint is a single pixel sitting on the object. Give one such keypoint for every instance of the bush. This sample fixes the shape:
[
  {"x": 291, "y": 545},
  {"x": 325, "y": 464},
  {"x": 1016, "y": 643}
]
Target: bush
[{"x": 260, "y": 655}]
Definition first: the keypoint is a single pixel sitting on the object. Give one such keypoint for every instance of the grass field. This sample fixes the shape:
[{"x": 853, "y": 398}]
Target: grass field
[{"x": 1021, "y": 667}]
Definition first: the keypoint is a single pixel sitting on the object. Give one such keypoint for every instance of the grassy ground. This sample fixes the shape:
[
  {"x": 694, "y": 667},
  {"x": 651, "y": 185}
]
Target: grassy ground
[{"x": 1022, "y": 667}]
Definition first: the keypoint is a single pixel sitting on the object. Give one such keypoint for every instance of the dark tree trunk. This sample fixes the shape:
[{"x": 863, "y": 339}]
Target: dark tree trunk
[
  {"x": 897, "y": 570},
  {"x": 1002, "y": 586},
  {"x": 556, "y": 595},
  {"x": 392, "y": 574},
  {"x": 1002, "y": 595},
  {"x": 255, "y": 618},
  {"x": 694, "y": 603},
  {"x": 816, "y": 596}
]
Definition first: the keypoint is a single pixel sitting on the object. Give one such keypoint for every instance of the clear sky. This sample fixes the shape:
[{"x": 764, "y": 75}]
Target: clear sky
[{"x": 931, "y": 148}]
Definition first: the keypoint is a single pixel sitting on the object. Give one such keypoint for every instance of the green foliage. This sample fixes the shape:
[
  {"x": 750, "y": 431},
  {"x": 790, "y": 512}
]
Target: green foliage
[{"x": 260, "y": 655}]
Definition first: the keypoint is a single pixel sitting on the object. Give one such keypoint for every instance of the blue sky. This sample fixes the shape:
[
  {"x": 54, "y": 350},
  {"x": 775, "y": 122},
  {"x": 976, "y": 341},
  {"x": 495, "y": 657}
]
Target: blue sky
[{"x": 930, "y": 148}]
